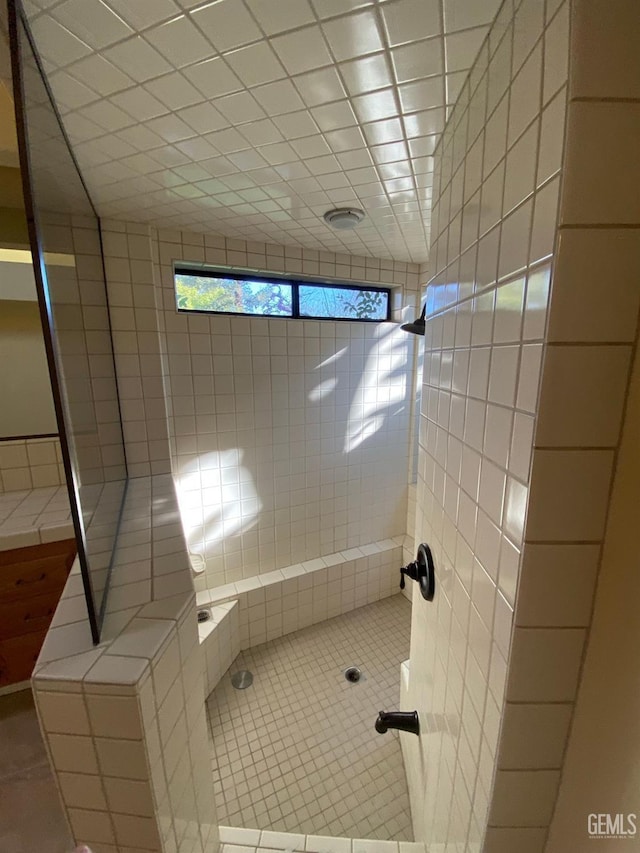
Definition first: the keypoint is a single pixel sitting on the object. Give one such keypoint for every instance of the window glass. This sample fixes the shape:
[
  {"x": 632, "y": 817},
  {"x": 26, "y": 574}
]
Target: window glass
[
  {"x": 233, "y": 295},
  {"x": 342, "y": 303},
  {"x": 246, "y": 294}
]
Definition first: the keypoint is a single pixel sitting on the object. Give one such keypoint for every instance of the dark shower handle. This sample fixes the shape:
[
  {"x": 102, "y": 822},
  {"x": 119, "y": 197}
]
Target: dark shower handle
[
  {"x": 422, "y": 570},
  {"x": 404, "y": 721}
]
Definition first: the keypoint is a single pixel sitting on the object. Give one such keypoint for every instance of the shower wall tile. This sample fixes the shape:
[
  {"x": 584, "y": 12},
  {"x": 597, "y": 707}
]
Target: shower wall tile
[
  {"x": 487, "y": 309},
  {"x": 572, "y": 494},
  {"x": 605, "y": 197},
  {"x": 534, "y": 735},
  {"x": 593, "y": 263},
  {"x": 531, "y": 677},
  {"x": 524, "y": 797},
  {"x": 570, "y": 570},
  {"x": 136, "y": 344},
  {"x": 582, "y": 396},
  {"x": 506, "y": 840},
  {"x": 282, "y": 431},
  {"x": 605, "y": 59}
]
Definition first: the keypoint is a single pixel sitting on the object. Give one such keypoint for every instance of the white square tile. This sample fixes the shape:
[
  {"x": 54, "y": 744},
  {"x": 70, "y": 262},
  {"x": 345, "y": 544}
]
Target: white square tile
[
  {"x": 179, "y": 41},
  {"x": 525, "y": 95},
  {"x": 145, "y": 13},
  {"x": 82, "y": 791},
  {"x": 529, "y": 377},
  {"x": 256, "y": 64},
  {"x": 115, "y": 716},
  {"x": 571, "y": 489},
  {"x": 226, "y": 24},
  {"x": 556, "y": 54},
  {"x": 459, "y": 15},
  {"x": 534, "y": 736},
  {"x": 586, "y": 257},
  {"x": 65, "y": 713},
  {"x": 302, "y": 50},
  {"x": 503, "y": 374},
  {"x": 582, "y": 396},
  {"x": 591, "y": 76},
  {"x": 461, "y": 48},
  {"x": 403, "y": 17},
  {"x": 604, "y": 198},
  {"x": 94, "y": 826},
  {"x": 524, "y": 798},
  {"x": 281, "y": 16},
  {"x": 353, "y": 35},
  {"x": 509, "y": 307},
  {"x": 93, "y": 22},
  {"x": 73, "y": 753},
  {"x": 572, "y": 569},
  {"x": 523, "y": 839},
  {"x": 137, "y": 59},
  {"x": 174, "y": 91}
]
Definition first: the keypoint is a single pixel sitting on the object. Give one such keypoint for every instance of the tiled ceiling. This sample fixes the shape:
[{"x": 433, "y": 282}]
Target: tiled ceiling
[{"x": 251, "y": 118}]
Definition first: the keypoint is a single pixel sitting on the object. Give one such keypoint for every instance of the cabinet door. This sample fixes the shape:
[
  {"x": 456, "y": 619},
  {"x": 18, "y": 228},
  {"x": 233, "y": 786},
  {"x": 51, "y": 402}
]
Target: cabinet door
[
  {"x": 35, "y": 570},
  {"x": 27, "y": 615},
  {"x": 31, "y": 583}
]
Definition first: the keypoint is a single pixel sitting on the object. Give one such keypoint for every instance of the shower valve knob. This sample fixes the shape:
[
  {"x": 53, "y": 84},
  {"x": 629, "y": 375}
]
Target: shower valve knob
[{"x": 423, "y": 571}]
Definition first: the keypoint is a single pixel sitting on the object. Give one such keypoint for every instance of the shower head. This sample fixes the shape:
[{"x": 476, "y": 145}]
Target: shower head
[{"x": 418, "y": 325}]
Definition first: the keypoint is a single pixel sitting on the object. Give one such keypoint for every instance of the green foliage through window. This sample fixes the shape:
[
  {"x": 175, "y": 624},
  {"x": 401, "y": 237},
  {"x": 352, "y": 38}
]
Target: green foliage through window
[
  {"x": 233, "y": 296},
  {"x": 230, "y": 294}
]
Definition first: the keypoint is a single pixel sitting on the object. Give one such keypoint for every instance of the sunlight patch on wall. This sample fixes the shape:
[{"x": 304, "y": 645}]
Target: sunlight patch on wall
[
  {"x": 382, "y": 389},
  {"x": 217, "y": 502}
]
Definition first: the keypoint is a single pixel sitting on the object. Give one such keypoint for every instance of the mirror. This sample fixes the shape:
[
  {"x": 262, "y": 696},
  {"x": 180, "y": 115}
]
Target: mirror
[
  {"x": 65, "y": 239},
  {"x": 25, "y": 389}
]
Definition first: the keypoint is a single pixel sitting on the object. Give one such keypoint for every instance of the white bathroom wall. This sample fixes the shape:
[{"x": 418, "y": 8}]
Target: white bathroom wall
[
  {"x": 290, "y": 438},
  {"x": 31, "y": 463},
  {"x": 25, "y": 386},
  {"x": 495, "y": 214},
  {"x": 300, "y": 422}
]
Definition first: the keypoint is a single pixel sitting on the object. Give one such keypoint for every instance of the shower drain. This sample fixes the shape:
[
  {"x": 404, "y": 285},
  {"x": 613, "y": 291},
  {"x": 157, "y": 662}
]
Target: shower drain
[
  {"x": 352, "y": 674},
  {"x": 204, "y": 615},
  {"x": 242, "y": 679}
]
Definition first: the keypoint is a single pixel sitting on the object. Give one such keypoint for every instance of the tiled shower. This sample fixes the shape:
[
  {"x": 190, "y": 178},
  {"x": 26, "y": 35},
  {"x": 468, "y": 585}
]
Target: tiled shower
[{"x": 290, "y": 445}]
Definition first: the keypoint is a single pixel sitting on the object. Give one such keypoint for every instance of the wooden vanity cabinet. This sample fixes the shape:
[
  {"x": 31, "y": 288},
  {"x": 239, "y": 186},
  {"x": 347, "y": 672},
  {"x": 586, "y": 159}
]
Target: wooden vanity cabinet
[{"x": 31, "y": 583}]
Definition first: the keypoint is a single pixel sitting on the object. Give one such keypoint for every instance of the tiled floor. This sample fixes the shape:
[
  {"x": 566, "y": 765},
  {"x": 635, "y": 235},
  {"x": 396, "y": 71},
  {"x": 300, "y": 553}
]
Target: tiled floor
[
  {"x": 31, "y": 816},
  {"x": 297, "y": 751}
]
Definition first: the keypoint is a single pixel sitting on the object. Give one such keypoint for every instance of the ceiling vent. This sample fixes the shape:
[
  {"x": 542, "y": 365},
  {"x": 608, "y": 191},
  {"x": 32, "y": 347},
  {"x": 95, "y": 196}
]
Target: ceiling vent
[{"x": 344, "y": 218}]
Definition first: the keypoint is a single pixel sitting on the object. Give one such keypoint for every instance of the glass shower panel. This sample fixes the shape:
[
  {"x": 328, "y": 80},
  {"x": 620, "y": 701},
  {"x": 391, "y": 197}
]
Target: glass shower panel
[{"x": 66, "y": 245}]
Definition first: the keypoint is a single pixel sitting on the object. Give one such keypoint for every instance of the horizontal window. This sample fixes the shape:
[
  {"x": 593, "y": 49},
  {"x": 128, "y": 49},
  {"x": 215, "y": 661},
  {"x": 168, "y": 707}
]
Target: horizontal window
[{"x": 225, "y": 293}]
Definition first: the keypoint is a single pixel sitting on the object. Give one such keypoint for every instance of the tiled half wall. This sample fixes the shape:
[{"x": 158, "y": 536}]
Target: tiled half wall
[{"x": 124, "y": 722}]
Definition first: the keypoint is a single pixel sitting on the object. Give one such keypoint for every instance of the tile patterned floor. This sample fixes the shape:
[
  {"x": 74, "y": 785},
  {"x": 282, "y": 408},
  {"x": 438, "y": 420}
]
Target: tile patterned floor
[
  {"x": 297, "y": 751},
  {"x": 25, "y": 780}
]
